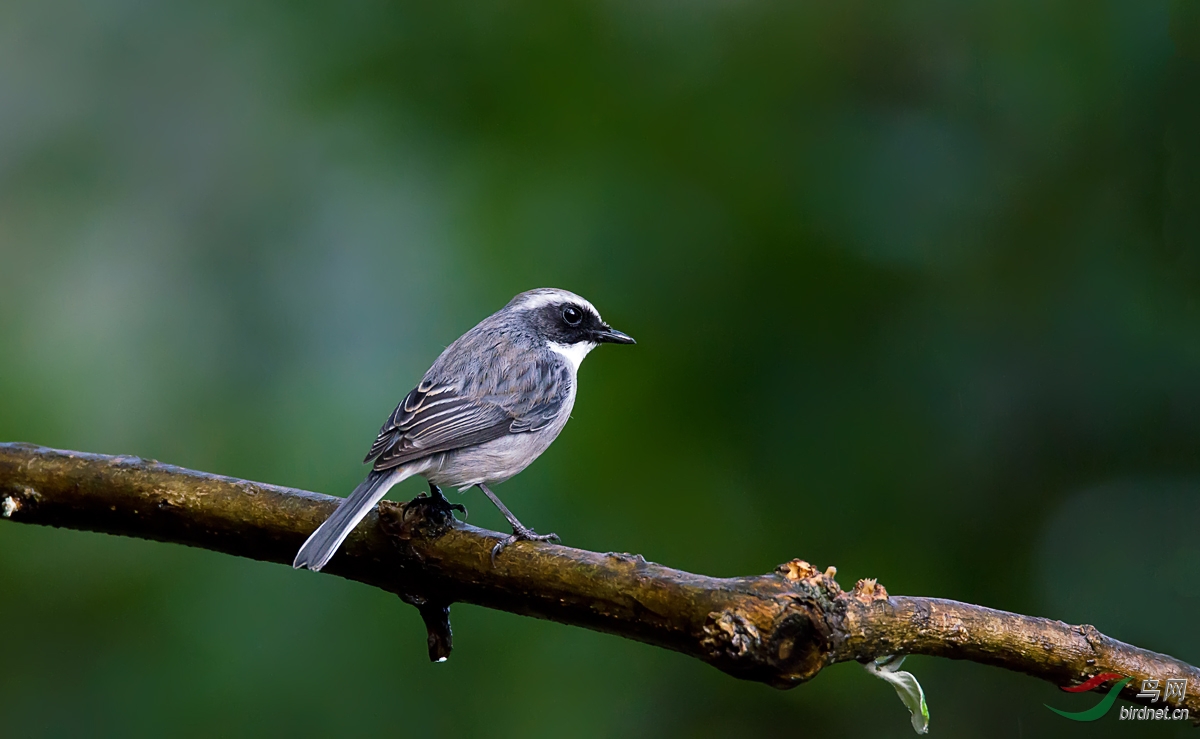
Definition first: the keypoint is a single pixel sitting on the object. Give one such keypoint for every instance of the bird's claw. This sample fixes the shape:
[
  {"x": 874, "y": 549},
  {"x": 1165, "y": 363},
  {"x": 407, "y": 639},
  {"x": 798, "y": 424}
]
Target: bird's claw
[
  {"x": 439, "y": 502},
  {"x": 436, "y": 493},
  {"x": 521, "y": 534}
]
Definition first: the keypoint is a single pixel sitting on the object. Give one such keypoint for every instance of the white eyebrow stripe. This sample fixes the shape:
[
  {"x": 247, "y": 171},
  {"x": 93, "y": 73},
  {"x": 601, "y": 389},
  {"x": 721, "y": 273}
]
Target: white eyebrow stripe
[{"x": 541, "y": 299}]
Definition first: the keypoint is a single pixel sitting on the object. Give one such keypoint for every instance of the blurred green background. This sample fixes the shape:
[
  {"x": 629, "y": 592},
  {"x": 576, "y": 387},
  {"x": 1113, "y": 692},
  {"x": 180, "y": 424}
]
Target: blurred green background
[{"x": 916, "y": 289}]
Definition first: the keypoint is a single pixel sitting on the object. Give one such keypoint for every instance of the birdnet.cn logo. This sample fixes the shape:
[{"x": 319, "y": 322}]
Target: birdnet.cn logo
[{"x": 1175, "y": 691}]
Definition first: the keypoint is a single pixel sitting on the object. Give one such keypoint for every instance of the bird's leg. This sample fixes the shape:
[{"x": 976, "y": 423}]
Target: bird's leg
[
  {"x": 441, "y": 500},
  {"x": 520, "y": 531},
  {"x": 438, "y": 501}
]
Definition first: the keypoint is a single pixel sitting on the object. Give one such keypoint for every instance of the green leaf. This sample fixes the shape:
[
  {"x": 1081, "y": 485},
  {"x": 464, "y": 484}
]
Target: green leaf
[{"x": 888, "y": 668}]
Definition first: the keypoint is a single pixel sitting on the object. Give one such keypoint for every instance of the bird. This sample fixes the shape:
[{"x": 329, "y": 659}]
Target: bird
[{"x": 490, "y": 404}]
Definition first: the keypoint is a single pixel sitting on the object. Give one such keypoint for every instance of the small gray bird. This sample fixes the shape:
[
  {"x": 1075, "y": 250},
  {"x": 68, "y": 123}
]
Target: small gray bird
[{"x": 491, "y": 404}]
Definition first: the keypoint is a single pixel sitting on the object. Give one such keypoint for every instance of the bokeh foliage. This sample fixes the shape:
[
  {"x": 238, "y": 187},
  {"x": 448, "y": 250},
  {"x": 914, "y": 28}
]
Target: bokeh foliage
[{"x": 915, "y": 288}]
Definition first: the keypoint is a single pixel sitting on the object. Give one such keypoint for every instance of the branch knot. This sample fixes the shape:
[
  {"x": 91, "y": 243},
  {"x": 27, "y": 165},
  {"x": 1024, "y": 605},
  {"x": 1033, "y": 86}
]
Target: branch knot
[{"x": 729, "y": 635}]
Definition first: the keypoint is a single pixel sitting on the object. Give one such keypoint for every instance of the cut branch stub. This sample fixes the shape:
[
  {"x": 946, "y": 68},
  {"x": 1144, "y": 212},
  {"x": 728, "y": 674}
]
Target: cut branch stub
[{"x": 417, "y": 518}]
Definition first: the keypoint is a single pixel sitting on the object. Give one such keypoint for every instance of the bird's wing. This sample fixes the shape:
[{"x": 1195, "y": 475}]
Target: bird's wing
[
  {"x": 436, "y": 418},
  {"x": 442, "y": 416}
]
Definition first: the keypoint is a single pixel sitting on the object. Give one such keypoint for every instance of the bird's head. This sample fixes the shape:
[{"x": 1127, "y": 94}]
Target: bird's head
[{"x": 569, "y": 324}]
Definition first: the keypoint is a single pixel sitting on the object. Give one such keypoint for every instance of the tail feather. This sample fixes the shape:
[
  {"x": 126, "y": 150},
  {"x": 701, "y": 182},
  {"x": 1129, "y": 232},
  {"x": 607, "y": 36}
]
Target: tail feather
[{"x": 324, "y": 542}]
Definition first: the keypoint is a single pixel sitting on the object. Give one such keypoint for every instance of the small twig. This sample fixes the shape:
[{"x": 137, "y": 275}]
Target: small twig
[{"x": 781, "y": 629}]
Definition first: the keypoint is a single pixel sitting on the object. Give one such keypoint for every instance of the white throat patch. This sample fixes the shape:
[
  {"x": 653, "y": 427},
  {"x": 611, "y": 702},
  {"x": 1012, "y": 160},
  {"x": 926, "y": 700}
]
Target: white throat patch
[{"x": 574, "y": 353}]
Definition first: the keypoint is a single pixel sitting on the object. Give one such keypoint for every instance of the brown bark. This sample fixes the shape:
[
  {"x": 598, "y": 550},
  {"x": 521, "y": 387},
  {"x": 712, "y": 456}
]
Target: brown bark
[{"x": 780, "y": 628}]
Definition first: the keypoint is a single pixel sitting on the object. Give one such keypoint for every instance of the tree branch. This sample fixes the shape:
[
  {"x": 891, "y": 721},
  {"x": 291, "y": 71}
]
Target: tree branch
[{"x": 781, "y": 628}]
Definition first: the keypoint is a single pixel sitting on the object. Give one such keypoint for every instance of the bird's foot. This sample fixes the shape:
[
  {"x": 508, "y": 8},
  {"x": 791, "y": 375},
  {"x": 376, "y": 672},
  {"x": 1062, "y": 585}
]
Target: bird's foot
[
  {"x": 520, "y": 534},
  {"x": 443, "y": 502},
  {"x": 438, "y": 502}
]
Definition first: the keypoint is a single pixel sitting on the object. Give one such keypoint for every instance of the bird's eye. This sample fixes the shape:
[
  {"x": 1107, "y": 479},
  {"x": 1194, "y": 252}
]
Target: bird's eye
[{"x": 572, "y": 315}]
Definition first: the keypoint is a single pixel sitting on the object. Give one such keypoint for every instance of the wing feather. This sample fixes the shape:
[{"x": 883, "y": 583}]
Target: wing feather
[{"x": 438, "y": 416}]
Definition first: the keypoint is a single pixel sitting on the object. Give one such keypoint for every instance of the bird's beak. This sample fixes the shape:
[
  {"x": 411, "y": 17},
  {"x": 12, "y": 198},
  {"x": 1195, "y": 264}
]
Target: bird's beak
[{"x": 609, "y": 335}]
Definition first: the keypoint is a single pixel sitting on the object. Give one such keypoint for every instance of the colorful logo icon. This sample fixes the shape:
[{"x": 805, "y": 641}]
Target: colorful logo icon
[{"x": 1105, "y": 703}]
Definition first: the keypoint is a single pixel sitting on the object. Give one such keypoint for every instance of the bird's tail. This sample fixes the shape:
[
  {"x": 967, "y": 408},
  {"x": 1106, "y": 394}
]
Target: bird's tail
[{"x": 320, "y": 547}]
